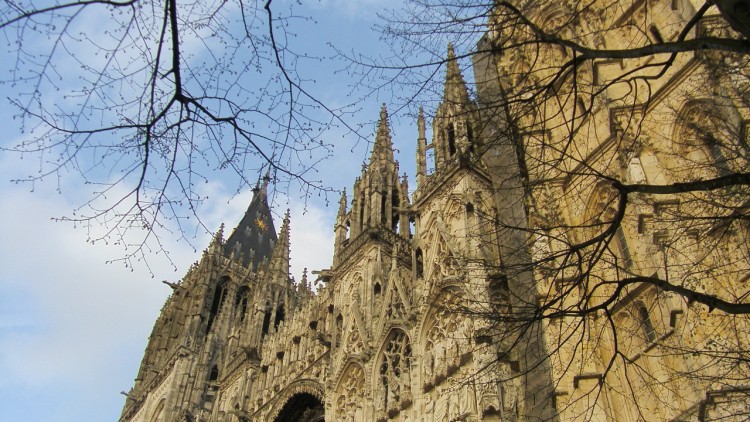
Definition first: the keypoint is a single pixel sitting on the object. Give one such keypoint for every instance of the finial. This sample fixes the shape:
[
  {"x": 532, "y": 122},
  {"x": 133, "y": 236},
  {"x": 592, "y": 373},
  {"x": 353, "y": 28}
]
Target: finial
[
  {"x": 451, "y": 52},
  {"x": 421, "y": 147}
]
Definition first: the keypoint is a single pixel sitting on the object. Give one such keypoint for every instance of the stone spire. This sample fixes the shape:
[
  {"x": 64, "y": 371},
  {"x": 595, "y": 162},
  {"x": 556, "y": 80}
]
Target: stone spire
[
  {"x": 421, "y": 148},
  {"x": 340, "y": 229},
  {"x": 378, "y": 194},
  {"x": 455, "y": 118},
  {"x": 342, "y": 206},
  {"x": 278, "y": 267},
  {"x": 455, "y": 91},
  {"x": 382, "y": 151},
  {"x": 253, "y": 240}
]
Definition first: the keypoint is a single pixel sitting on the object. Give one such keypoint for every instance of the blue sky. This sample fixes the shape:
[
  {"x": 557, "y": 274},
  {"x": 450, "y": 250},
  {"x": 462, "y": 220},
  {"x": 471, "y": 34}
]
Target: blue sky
[{"x": 73, "y": 327}]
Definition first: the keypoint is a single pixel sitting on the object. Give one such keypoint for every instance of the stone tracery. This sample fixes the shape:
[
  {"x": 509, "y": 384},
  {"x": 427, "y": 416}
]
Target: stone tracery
[{"x": 394, "y": 389}]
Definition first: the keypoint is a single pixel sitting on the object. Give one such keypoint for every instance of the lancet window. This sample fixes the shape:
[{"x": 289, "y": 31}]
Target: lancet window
[
  {"x": 240, "y": 304},
  {"x": 647, "y": 327},
  {"x": 220, "y": 293},
  {"x": 419, "y": 262},
  {"x": 451, "y": 132},
  {"x": 601, "y": 212},
  {"x": 279, "y": 316},
  {"x": 267, "y": 319}
]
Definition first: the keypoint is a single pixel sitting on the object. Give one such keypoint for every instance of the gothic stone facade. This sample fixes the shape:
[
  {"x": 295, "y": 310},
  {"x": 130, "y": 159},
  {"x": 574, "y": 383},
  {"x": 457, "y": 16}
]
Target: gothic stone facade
[
  {"x": 387, "y": 338},
  {"x": 403, "y": 328}
]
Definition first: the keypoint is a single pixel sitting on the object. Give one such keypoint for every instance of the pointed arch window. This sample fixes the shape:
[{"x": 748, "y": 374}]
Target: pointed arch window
[
  {"x": 647, "y": 327},
  {"x": 350, "y": 394},
  {"x": 214, "y": 374},
  {"x": 419, "y": 262},
  {"x": 266, "y": 319},
  {"x": 220, "y": 293},
  {"x": 240, "y": 304},
  {"x": 339, "y": 329},
  {"x": 383, "y": 206},
  {"x": 451, "y": 134},
  {"x": 361, "y": 214},
  {"x": 601, "y": 213},
  {"x": 279, "y": 316},
  {"x": 395, "y": 220}
]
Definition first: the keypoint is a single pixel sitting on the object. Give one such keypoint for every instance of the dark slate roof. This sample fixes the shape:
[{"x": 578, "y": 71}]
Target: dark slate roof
[{"x": 255, "y": 237}]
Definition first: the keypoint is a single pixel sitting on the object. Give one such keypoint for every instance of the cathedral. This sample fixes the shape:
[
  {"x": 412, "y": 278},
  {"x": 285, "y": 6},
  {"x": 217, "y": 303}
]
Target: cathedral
[{"x": 536, "y": 272}]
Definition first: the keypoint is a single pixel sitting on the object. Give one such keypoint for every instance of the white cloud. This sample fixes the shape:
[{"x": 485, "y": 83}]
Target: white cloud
[
  {"x": 311, "y": 241},
  {"x": 69, "y": 323}
]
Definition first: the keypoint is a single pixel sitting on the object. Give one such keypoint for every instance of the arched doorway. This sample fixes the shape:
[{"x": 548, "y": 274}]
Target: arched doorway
[{"x": 302, "y": 407}]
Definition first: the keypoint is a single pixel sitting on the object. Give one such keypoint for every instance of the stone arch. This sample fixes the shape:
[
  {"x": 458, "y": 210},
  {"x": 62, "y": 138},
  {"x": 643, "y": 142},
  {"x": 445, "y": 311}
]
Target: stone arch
[
  {"x": 392, "y": 375},
  {"x": 350, "y": 392},
  {"x": 554, "y": 18},
  {"x": 658, "y": 307},
  {"x": 298, "y": 397},
  {"x": 158, "y": 414},
  {"x": 601, "y": 205},
  {"x": 702, "y": 134},
  {"x": 600, "y": 212},
  {"x": 550, "y": 16}
]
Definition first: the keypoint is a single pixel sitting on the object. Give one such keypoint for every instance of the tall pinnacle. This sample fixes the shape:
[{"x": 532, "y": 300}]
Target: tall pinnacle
[
  {"x": 420, "y": 124},
  {"x": 342, "y": 206},
  {"x": 421, "y": 148},
  {"x": 382, "y": 151},
  {"x": 455, "y": 86}
]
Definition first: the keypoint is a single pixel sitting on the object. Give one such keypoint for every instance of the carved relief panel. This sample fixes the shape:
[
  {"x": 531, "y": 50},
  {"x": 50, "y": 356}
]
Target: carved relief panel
[{"x": 350, "y": 395}]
